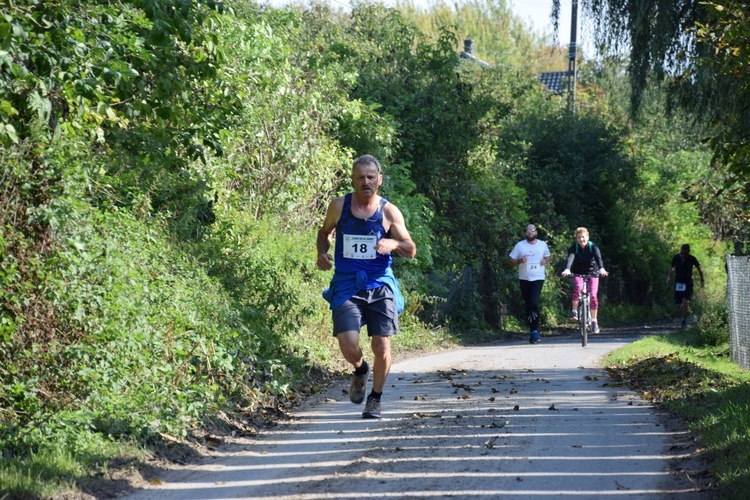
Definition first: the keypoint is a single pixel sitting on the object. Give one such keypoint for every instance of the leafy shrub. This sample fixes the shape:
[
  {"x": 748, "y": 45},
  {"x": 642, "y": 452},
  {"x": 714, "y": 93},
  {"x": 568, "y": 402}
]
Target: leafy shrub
[
  {"x": 152, "y": 344},
  {"x": 714, "y": 324}
]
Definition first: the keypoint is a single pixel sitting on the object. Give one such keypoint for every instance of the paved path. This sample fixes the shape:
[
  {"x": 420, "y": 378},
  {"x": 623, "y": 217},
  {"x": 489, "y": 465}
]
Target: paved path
[{"x": 511, "y": 420}]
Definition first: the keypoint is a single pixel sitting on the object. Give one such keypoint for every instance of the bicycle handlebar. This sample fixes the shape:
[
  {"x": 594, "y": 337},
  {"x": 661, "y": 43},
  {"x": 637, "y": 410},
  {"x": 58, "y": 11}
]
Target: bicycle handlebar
[{"x": 597, "y": 275}]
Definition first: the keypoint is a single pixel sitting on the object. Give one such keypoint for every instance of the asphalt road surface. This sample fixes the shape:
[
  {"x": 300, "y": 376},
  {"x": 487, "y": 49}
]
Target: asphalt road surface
[{"x": 510, "y": 420}]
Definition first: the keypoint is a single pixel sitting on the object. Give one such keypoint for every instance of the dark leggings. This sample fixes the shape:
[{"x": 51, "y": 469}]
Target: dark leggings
[{"x": 530, "y": 291}]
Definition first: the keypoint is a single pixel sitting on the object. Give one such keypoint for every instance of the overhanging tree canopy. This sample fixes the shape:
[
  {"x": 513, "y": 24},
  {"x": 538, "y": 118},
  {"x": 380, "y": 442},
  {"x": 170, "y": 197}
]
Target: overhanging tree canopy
[{"x": 700, "y": 49}]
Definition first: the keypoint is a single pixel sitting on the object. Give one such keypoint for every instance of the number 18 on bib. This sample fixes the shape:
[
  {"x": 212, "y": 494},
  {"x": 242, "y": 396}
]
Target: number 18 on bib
[{"x": 360, "y": 247}]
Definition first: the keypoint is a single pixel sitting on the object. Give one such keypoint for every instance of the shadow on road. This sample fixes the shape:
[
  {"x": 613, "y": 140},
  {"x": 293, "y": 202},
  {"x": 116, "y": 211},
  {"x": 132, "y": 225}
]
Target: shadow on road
[{"x": 501, "y": 421}]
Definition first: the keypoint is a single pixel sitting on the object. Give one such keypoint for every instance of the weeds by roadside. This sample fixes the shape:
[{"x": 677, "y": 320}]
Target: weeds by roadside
[{"x": 697, "y": 382}]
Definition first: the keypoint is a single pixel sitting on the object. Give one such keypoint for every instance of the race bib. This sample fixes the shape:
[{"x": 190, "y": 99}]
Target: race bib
[
  {"x": 533, "y": 267},
  {"x": 680, "y": 287},
  {"x": 360, "y": 247}
]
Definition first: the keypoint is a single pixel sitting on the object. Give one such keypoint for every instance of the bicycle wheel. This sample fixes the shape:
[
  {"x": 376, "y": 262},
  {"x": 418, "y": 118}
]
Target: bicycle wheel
[{"x": 583, "y": 320}]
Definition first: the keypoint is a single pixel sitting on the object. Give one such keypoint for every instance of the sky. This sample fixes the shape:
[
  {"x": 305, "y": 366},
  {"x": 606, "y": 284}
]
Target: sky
[{"x": 537, "y": 13}]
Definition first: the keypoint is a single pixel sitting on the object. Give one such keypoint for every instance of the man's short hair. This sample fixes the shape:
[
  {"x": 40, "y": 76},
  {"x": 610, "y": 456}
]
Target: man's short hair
[{"x": 366, "y": 160}]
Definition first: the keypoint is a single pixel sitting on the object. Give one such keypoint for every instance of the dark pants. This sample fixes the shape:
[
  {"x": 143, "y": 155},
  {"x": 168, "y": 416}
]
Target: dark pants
[{"x": 531, "y": 291}]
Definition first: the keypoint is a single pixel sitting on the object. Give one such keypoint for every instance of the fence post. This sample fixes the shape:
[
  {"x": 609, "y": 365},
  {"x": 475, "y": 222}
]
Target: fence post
[{"x": 738, "y": 309}]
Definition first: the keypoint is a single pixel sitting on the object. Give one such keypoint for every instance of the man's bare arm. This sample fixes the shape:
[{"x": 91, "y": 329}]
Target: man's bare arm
[
  {"x": 400, "y": 240},
  {"x": 325, "y": 234}
]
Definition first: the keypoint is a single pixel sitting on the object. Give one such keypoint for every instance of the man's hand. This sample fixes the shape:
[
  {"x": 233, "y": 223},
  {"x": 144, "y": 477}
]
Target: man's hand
[
  {"x": 325, "y": 261},
  {"x": 386, "y": 246}
]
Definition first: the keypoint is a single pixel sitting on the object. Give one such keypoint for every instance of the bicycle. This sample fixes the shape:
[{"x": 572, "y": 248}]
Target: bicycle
[{"x": 584, "y": 309}]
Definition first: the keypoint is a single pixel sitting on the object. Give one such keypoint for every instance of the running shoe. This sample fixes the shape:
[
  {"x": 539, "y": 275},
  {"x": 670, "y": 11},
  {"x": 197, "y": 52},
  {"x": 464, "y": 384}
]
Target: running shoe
[
  {"x": 534, "y": 337},
  {"x": 358, "y": 387},
  {"x": 574, "y": 316},
  {"x": 372, "y": 408},
  {"x": 594, "y": 326}
]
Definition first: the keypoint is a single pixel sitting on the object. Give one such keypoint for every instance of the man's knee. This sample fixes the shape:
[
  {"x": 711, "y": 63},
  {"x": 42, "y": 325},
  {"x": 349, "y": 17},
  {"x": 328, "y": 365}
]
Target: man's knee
[
  {"x": 381, "y": 346},
  {"x": 348, "y": 342}
]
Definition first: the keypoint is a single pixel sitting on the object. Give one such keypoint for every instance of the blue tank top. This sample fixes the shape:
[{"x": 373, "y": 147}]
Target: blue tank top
[{"x": 355, "y": 242}]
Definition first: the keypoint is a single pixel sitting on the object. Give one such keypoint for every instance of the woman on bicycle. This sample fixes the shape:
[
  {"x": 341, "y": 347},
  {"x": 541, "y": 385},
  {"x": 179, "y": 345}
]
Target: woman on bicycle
[{"x": 585, "y": 259}]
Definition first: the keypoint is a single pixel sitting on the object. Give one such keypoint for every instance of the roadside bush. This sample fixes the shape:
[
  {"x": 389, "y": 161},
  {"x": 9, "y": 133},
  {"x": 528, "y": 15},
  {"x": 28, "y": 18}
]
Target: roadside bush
[
  {"x": 268, "y": 269},
  {"x": 149, "y": 344},
  {"x": 714, "y": 324},
  {"x": 634, "y": 314}
]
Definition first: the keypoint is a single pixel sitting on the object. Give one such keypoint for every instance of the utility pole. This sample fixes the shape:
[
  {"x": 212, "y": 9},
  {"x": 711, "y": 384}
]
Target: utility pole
[{"x": 572, "y": 53}]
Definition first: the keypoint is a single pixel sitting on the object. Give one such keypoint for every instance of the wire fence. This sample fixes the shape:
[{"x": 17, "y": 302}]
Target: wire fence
[{"x": 738, "y": 306}]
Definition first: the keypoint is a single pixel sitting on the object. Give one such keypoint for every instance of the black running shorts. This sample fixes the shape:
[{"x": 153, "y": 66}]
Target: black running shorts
[{"x": 375, "y": 308}]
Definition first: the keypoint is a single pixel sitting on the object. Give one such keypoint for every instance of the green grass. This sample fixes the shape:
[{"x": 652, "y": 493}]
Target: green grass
[
  {"x": 54, "y": 472},
  {"x": 699, "y": 384},
  {"x": 40, "y": 475}
]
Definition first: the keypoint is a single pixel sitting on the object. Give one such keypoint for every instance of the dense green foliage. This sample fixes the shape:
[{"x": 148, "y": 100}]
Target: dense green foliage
[
  {"x": 166, "y": 165},
  {"x": 700, "y": 51},
  {"x": 122, "y": 318},
  {"x": 499, "y": 38}
]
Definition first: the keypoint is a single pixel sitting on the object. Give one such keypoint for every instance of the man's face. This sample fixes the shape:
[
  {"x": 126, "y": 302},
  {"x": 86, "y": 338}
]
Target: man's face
[
  {"x": 366, "y": 179},
  {"x": 530, "y": 233},
  {"x": 582, "y": 239}
]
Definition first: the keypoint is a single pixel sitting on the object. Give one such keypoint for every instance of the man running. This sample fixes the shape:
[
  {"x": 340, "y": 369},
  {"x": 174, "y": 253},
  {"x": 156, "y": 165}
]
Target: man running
[
  {"x": 363, "y": 289},
  {"x": 531, "y": 255},
  {"x": 682, "y": 265}
]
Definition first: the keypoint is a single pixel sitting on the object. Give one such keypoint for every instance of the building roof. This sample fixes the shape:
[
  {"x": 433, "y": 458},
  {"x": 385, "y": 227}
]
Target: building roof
[{"x": 555, "y": 81}]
